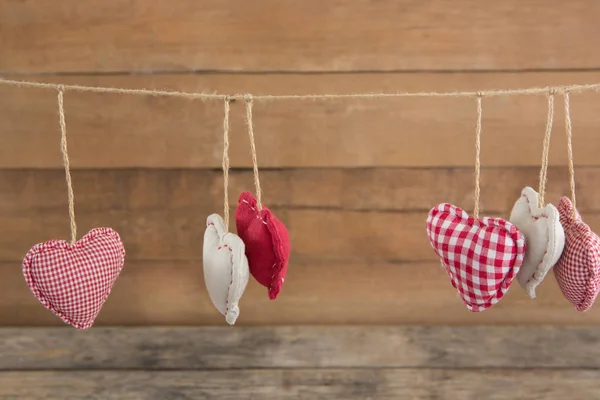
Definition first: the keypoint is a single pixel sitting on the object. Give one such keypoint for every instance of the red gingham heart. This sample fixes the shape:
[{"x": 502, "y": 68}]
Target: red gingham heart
[
  {"x": 481, "y": 256},
  {"x": 73, "y": 281},
  {"x": 578, "y": 269},
  {"x": 267, "y": 243}
]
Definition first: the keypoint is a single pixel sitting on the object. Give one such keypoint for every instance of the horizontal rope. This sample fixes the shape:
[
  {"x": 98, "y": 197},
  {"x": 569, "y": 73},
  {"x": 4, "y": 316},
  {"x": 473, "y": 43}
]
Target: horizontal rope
[{"x": 267, "y": 97}]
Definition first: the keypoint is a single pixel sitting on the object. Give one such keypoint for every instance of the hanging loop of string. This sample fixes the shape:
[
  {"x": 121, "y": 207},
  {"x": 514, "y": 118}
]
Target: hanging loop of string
[
  {"x": 249, "y": 123},
  {"x": 546, "y": 149},
  {"x": 477, "y": 155},
  {"x": 65, "y": 156},
  {"x": 569, "y": 133},
  {"x": 225, "y": 163}
]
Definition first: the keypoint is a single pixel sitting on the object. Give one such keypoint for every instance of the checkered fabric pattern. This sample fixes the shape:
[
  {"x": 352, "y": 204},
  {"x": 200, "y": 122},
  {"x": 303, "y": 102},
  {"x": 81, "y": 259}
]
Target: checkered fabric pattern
[
  {"x": 578, "y": 269},
  {"x": 73, "y": 281},
  {"x": 481, "y": 256}
]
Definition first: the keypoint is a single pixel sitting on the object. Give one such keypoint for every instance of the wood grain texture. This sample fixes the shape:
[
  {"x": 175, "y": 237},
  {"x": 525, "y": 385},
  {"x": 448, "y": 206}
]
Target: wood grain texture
[
  {"x": 335, "y": 189},
  {"x": 316, "y": 292},
  {"x": 111, "y": 131},
  {"x": 331, "y": 214},
  {"x": 345, "y": 384},
  {"x": 179, "y": 348},
  {"x": 270, "y": 35}
]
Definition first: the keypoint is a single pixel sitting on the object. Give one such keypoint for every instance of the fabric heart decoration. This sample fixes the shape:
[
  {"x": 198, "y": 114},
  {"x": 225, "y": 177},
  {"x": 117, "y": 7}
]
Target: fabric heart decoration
[
  {"x": 267, "y": 243},
  {"x": 481, "y": 256},
  {"x": 74, "y": 280},
  {"x": 578, "y": 269},
  {"x": 544, "y": 236},
  {"x": 226, "y": 271}
]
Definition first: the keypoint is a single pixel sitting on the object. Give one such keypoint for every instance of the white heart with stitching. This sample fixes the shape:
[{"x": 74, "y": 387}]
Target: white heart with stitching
[
  {"x": 544, "y": 237},
  {"x": 226, "y": 271}
]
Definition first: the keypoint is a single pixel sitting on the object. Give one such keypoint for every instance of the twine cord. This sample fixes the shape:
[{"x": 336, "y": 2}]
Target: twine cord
[
  {"x": 546, "y": 149},
  {"x": 477, "y": 156},
  {"x": 249, "y": 124},
  {"x": 569, "y": 132},
  {"x": 225, "y": 164},
  {"x": 268, "y": 97},
  {"x": 65, "y": 156}
]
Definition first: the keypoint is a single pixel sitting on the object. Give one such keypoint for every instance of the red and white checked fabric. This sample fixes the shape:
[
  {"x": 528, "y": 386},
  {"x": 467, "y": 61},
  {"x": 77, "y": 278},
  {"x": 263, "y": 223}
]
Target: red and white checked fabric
[
  {"x": 481, "y": 256},
  {"x": 267, "y": 243},
  {"x": 73, "y": 281},
  {"x": 578, "y": 269}
]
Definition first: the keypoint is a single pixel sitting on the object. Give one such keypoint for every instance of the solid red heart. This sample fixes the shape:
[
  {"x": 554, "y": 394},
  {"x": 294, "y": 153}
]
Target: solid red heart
[
  {"x": 73, "y": 281},
  {"x": 481, "y": 256},
  {"x": 267, "y": 243},
  {"x": 578, "y": 269}
]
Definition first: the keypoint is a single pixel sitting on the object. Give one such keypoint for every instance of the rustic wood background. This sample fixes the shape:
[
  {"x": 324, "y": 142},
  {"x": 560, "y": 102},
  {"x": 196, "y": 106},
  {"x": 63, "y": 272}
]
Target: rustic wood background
[{"x": 352, "y": 179}]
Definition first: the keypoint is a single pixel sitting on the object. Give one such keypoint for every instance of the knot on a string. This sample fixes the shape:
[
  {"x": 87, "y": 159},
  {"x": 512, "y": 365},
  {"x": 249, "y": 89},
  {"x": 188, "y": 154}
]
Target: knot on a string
[
  {"x": 480, "y": 94},
  {"x": 248, "y": 98}
]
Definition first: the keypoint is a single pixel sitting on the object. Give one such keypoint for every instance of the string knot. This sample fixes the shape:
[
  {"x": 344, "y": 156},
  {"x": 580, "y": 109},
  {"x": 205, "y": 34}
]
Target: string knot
[
  {"x": 480, "y": 94},
  {"x": 552, "y": 91},
  {"x": 248, "y": 98}
]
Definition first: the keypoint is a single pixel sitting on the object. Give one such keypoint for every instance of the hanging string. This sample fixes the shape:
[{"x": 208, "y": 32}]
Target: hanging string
[
  {"x": 248, "y": 101},
  {"x": 477, "y": 155},
  {"x": 546, "y": 149},
  {"x": 65, "y": 155},
  {"x": 268, "y": 97},
  {"x": 225, "y": 164},
  {"x": 569, "y": 132}
]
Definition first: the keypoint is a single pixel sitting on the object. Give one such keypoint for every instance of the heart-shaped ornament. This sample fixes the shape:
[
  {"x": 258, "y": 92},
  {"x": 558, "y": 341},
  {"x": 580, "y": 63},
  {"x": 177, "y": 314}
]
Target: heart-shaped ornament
[
  {"x": 267, "y": 243},
  {"x": 226, "y": 270},
  {"x": 578, "y": 269},
  {"x": 481, "y": 256},
  {"x": 74, "y": 281},
  {"x": 544, "y": 236}
]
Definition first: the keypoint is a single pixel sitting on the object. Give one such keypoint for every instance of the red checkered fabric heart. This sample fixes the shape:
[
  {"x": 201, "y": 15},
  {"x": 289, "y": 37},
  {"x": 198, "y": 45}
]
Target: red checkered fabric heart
[
  {"x": 73, "y": 281},
  {"x": 578, "y": 269},
  {"x": 481, "y": 256},
  {"x": 267, "y": 243}
]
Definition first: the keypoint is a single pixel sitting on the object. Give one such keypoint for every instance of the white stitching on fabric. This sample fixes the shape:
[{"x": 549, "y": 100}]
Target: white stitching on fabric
[{"x": 257, "y": 213}]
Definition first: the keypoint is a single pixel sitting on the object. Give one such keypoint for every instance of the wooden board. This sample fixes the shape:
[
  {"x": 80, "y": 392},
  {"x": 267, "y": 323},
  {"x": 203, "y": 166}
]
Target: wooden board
[
  {"x": 216, "y": 348},
  {"x": 269, "y": 35},
  {"x": 316, "y": 292},
  {"x": 305, "y": 362},
  {"x": 331, "y": 214},
  {"x": 334, "y": 189},
  {"x": 112, "y": 131},
  {"x": 321, "y": 384}
]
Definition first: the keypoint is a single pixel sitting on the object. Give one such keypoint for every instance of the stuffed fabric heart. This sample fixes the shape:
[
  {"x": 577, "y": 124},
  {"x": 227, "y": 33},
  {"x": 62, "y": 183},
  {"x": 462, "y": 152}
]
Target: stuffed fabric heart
[
  {"x": 267, "y": 243},
  {"x": 481, "y": 256},
  {"x": 73, "y": 281},
  {"x": 544, "y": 236},
  {"x": 225, "y": 267},
  {"x": 578, "y": 269}
]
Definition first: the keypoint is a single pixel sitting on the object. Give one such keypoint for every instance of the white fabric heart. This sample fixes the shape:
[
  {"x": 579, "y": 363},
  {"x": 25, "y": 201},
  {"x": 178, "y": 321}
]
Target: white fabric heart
[
  {"x": 226, "y": 271},
  {"x": 544, "y": 238}
]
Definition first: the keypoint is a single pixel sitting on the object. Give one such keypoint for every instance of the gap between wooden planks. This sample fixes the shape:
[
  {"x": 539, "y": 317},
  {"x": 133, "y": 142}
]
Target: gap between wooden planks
[
  {"x": 112, "y": 131},
  {"x": 78, "y": 36},
  {"x": 352, "y": 215}
]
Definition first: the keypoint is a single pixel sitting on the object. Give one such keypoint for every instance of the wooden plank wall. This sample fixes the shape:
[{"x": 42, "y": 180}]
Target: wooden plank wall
[{"x": 353, "y": 179}]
